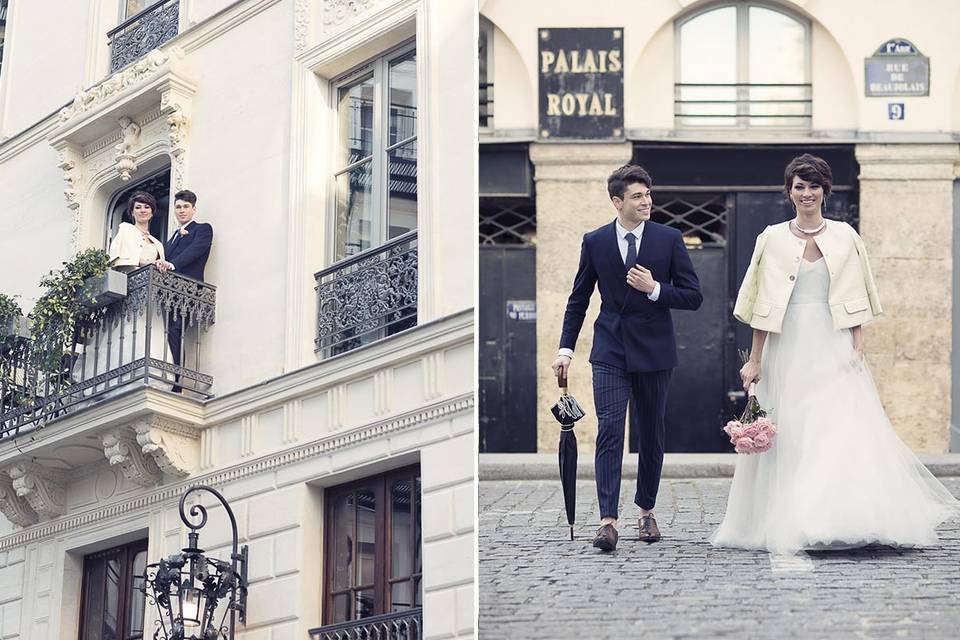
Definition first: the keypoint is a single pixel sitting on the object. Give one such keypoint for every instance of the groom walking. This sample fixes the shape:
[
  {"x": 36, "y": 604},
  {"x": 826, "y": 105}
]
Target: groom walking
[{"x": 642, "y": 270}]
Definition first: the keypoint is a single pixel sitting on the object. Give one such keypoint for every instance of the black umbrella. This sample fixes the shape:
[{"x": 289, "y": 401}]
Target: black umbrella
[{"x": 567, "y": 411}]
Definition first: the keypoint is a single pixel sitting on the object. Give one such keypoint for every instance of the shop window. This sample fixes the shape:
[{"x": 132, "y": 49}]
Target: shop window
[
  {"x": 376, "y": 166},
  {"x": 373, "y": 551},
  {"x": 112, "y": 604},
  {"x": 743, "y": 65}
]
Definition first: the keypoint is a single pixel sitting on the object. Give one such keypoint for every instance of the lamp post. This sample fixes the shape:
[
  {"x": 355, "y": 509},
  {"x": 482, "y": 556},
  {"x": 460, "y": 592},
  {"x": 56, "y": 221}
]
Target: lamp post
[{"x": 189, "y": 589}]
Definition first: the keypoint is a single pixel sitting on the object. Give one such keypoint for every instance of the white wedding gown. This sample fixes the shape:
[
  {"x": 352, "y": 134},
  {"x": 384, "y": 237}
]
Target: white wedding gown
[{"x": 837, "y": 475}]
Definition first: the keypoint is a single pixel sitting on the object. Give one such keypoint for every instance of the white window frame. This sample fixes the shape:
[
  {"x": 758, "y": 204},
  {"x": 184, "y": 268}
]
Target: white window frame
[
  {"x": 743, "y": 61},
  {"x": 379, "y": 68}
]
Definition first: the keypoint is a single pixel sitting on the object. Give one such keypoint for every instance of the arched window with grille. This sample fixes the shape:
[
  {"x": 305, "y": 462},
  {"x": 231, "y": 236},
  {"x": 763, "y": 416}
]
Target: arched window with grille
[{"x": 743, "y": 65}]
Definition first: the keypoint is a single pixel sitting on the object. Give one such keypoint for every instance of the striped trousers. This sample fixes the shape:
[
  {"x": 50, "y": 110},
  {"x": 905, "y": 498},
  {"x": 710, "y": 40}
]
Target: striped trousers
[{"x": 646, "y": 394}]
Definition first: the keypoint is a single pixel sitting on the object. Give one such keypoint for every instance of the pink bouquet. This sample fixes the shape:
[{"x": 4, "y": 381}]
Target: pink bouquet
[{"x": 754, "y": 431}]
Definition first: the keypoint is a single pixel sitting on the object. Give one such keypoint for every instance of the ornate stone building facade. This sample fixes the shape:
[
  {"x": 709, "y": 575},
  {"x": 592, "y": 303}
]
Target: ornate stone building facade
[{"x": 328, "y": 360}]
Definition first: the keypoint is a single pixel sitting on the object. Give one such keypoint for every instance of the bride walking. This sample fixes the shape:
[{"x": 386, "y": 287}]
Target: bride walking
[{"x": 837, "y": 475}]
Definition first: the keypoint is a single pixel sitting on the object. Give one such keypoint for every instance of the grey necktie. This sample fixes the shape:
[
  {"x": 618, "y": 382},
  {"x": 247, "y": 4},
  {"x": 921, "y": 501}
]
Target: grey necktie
[{"x": 631, "y": 250}]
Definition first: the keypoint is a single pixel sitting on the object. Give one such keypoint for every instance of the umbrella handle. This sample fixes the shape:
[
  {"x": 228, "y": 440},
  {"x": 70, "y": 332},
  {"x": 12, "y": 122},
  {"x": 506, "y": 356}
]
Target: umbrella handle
[{"x": 562, "y": 381}]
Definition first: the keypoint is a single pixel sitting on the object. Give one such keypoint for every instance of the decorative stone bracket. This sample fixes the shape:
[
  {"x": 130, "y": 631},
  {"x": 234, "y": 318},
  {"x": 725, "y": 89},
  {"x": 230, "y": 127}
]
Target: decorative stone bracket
[
  {"x": 122, "y": 449},
  {"x": 174, "y": 446},
  {"x": 109, "y": 130},
  {"x": 13, "y": 506},
  {"x": 42, "y": 488}
]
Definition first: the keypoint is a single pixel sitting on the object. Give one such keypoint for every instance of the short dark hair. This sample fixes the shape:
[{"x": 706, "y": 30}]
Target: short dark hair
[
  {"x": 625, "y": 176},
  {"x": 810, "y": 168},
  {"x": 145, "y": 198},
  {"x": 186, "y": 195}
]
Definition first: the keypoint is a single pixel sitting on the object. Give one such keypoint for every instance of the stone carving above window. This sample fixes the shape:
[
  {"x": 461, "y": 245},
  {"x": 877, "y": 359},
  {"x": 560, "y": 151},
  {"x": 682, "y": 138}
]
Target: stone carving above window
[
  {"x": 336, "y": 12},
  {"x": 111, "y": 129}
]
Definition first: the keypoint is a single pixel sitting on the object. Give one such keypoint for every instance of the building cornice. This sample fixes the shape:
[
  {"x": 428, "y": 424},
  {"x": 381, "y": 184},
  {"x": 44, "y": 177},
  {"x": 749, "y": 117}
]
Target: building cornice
[{"x": 424, "y": 416}]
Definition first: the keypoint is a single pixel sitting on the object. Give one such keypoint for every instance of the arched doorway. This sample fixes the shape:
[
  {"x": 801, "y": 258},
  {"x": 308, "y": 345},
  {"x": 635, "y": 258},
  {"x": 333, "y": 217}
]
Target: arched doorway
[{"x": 156, "y": 184}]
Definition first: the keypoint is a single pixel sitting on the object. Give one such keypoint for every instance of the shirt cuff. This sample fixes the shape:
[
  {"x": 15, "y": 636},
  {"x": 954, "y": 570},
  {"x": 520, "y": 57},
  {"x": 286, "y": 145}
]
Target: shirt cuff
[
  {"x": 655, "y": 294},
  {"x": 565, "y": 352}
]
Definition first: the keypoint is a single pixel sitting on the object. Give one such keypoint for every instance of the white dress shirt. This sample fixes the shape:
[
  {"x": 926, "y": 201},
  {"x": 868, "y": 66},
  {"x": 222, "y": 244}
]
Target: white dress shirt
[{"x": 622, "y": 242}]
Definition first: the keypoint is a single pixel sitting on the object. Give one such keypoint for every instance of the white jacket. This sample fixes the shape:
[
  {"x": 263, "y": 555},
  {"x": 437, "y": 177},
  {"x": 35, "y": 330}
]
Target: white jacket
[
  {"x": 768, "y": 283},
  {"x": 127, "y": 246}
]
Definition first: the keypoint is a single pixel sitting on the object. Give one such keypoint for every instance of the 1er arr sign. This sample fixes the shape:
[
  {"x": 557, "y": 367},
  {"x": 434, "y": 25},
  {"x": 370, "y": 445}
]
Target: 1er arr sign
[
  {"x": 897, "y": 68},
  {"x": 581, "y": 83}
]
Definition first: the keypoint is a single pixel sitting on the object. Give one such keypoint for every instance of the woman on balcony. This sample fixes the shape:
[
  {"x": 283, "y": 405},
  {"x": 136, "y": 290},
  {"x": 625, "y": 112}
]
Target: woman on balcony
[{"x": 133, "y": 246}]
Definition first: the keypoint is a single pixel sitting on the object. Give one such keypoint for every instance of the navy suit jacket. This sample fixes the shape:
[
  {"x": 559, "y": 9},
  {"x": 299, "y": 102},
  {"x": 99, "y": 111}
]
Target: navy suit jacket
[
  {"x": 189, "y": 253},
  {"x": 632, "y": 332}
]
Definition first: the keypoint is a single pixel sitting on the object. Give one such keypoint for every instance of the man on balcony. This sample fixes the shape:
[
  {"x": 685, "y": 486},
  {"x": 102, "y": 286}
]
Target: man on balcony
[{"x": 186, "y": 253}]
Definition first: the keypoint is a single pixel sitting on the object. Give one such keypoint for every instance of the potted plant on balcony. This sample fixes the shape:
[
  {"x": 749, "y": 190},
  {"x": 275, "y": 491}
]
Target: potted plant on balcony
[
  {"x": 60, "y": 309},
  {"x": 12, "y": 322}
]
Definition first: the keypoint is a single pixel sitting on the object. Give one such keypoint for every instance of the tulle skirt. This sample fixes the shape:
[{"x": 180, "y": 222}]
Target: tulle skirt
[{"x": 837, "y": 475}]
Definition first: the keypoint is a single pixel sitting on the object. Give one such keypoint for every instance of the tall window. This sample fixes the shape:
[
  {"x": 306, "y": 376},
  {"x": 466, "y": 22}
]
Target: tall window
[
  {"x": 376, "y": 176},
  {"x": 743, "y": 65},
  {"x": 373, "y": 555},
  {"x": 3, "y": 28},
  {"x": 111, "y": 604}
]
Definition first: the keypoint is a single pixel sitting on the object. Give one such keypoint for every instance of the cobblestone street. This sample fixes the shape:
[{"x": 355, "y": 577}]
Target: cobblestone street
[{"x": 536, "y": 583}]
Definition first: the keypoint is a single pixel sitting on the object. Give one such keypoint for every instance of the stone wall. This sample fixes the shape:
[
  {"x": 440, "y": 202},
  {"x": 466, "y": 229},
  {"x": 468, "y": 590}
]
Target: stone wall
[
  {"x": 906, "y": 220},
  {"x": 571, "y": 200}
]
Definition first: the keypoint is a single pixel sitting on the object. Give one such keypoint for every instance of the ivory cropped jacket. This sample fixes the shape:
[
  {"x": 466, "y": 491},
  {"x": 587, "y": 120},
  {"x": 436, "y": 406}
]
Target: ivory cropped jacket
[{"x": 768, "y": 283}]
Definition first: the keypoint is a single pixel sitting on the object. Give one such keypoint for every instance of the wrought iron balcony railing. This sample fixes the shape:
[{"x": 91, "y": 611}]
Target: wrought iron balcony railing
[
  {"x": 124, "y": 344},
  {"x": 401, "y": 625},
  {"x": 143, "y": 32},
  {"x": 367, "y": 297},
  {"x": 743, "y": 105}
]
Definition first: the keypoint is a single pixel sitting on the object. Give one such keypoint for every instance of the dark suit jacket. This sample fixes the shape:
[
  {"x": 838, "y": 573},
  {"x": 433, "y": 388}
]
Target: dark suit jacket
[
  {"x": 632, "y": 332},
  {"x": 189, "y": 253}
]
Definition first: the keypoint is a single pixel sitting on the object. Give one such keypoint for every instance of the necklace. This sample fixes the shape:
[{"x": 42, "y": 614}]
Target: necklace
[{"x": 809, "y": 232}]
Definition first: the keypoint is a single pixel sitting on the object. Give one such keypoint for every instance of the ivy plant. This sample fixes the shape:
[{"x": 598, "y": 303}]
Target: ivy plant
[
  {"x": 9, "y": 308},
  {"x": 59, "y": 312}
]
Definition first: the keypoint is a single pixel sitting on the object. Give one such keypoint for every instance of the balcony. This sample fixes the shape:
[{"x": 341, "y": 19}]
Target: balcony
[
  {"x": 367, "y": 297},
  {"x": 117, "y": 348},
  {"x": 732, "y": 106},
  {"x": 143, "y": 32},
  {"x": 401, "y": 625}
]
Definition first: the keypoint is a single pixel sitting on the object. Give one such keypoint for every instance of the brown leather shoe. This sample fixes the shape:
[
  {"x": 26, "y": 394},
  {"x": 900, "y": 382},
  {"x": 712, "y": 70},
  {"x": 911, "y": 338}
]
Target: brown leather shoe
[
  {"x": 649, "y": 532},
  {"x": 606, "y": 538}
]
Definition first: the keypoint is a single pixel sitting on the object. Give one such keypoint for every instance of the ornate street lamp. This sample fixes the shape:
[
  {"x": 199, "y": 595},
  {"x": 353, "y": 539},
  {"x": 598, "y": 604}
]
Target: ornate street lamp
[{"x": 188, "y": 588}]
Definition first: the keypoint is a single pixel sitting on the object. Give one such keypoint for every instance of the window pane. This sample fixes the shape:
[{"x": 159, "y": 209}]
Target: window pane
[
  {"x": 355, "y": 213},
  {"x": 418, "y": 592},
  {"x": 403, "y": 100},
  {"x": 355, "y": 111},
  {"x": 777, "y": 48},
  {"x": 341, "y": 608},
  {"x": 708, "y": 55},
  {"x": 111, "y": 609},
  {"x": 93, "y": 599},
  {"x": 135, "y": 615},
  {"x": 708, "y": 47},
  {"x": 401, "y": 596},
  {"x": 365, "y": 604},
  {"x": 342, "y": 542},
  {"x": 133, "y": 7},
  {"x": 403, "y": 189},
  {"x": 777, "y": 56},
  {"x": 401, "y": 534},
  {"x": 366, "y": 536}
]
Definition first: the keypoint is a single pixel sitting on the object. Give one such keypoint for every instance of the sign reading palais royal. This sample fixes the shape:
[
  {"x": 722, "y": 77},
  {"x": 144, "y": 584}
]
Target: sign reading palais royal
[
  {"x": 897, "y": 68},
  {"x": 581, "y": 83}
]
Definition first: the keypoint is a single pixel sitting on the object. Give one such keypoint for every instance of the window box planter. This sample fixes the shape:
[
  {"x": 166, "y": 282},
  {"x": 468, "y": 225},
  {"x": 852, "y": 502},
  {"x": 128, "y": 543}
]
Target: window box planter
[{"x": 103, "y": 290}]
